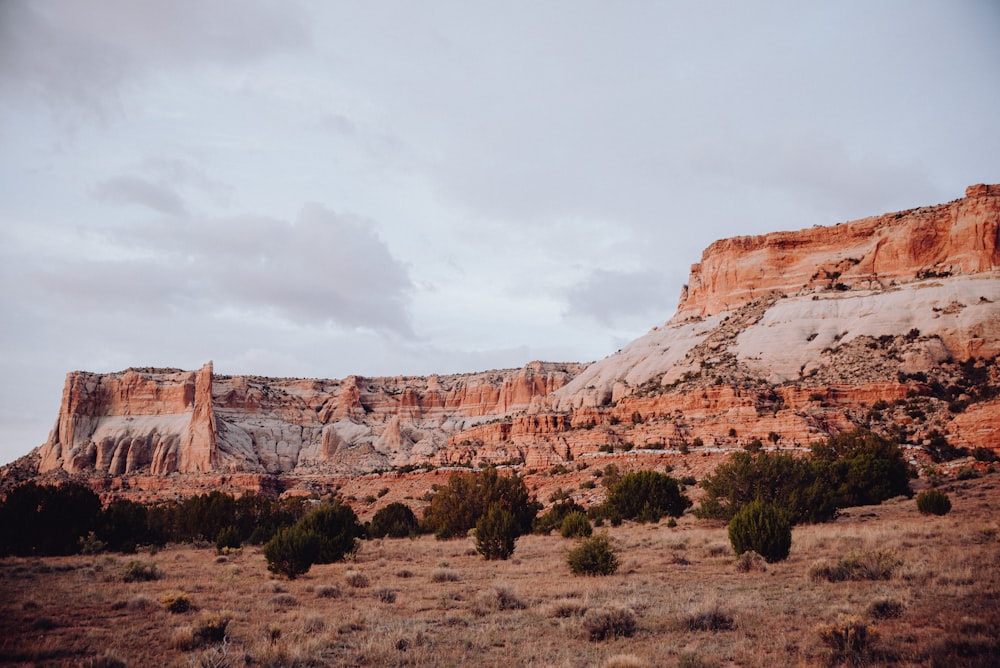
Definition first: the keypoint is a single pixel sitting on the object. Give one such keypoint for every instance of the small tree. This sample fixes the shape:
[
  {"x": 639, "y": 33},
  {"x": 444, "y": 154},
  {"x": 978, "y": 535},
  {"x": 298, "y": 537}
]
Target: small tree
[
  {"x": 933, "y": 502},
  {"x": 575, "y": 525},
  {"x": 646, "y": 496},
  {"x": 763, "y": 528},
  {"x": 496, "y": 533},
  {"x": 291, "y": 552},
  {"x": 336, "y": 528},
  {"x": 228, "y": 539},
  {"x": 593, "y": 556},
  {"x": 395, "y": 520}
]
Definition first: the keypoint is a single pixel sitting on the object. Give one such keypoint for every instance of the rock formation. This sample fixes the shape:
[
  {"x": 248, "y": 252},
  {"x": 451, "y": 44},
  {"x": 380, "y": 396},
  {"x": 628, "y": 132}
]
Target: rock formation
[{"x": 891, "y": 322}]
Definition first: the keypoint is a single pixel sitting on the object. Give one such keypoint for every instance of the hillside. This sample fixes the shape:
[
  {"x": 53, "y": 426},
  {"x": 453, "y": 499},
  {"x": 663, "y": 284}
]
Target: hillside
[{"x": 890, "y": 322}]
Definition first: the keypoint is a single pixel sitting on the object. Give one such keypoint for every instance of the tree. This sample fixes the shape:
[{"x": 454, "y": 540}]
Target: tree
[
  {"x": 395, "y": 520},
  {"x": 496, "y": 533},
  {"x": 291, "y": 552},
  {"x": 336, "y": 528},
  {"x": 593, "y": 556},
  {"x": 646, "y": 496},
  {"x": 47, "y": 519},
  {"x": 457, "y": 507},
  {"x": 763, "y": 528}
]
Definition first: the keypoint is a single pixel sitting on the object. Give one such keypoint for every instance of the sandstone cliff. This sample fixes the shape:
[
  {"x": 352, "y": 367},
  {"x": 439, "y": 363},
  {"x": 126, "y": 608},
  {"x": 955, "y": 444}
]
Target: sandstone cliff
[{"x": 891, "y": 322}]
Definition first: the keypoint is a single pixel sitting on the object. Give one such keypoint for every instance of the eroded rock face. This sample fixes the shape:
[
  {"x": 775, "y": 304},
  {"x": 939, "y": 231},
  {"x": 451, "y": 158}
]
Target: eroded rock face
[{"x": 891, "y": 322}]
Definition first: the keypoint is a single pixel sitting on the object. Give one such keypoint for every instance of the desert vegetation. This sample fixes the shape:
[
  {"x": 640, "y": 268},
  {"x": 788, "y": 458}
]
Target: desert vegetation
[{"x": 906, "y": 589}]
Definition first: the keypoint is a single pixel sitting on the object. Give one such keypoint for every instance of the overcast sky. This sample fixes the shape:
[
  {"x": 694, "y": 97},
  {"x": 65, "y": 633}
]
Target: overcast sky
[{"x": 382, "y": 188}]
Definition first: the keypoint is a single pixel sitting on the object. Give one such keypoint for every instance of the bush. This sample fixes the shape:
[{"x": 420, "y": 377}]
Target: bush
[
  {"x": 140, "y": 571},
  {"x": 575, "y": 525},
  {"x": 291, "y": 552},
  {"x": 211, "y": 628},
  {"x": 871, "y": 565},
  {"x": 228, "y": 539},
  {"x": 593, "y": 556},
  {"x": 933, "y": 502},
  {"x": 646, "y": 496},
  {"x": 849, "y": 639},
  {"x": 47, "y": 519},
  {"x": 176, "y": 603},
  {"x": 356, "y": 579},
  {"x": 750, "y": 561},
  {"x": 763, "y": 528},
  {"x": 457, "y": 507},
  {"x": 336, "y": 529},
  {"x": 395, "y": 520},
  {"x": 496, "y": 533},
  {"x": 554, "y": 518},
  {"x": 611, "y": 622}
]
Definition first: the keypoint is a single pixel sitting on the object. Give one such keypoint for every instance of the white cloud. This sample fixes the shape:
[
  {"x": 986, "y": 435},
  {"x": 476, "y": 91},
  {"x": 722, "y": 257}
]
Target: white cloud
[{"x": 134, "y": 190}]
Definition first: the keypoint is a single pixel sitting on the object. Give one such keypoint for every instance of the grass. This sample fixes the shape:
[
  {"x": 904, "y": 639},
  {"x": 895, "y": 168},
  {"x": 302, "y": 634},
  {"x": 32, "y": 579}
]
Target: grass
[{"x": 937, "y": 608}]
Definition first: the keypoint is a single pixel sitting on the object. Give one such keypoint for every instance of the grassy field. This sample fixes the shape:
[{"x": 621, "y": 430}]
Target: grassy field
[{"x": 679, "y": 599}]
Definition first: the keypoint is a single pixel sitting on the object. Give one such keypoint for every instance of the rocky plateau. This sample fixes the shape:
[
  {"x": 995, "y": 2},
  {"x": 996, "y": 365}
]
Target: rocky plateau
[{"x": 891, "y": 322}]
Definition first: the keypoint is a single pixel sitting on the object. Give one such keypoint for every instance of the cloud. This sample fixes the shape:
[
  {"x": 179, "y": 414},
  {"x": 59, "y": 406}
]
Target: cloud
[
  {"x": 65, "y": 51},
  {"x": 323, "y": 269},
  {"x": 133, "y": 190},
  {"x": 611, "y": 296}
]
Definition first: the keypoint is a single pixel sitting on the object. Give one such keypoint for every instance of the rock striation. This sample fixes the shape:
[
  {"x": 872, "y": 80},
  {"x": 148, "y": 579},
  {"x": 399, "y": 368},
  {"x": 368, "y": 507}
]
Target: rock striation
[{"x": 890, "y": 322}]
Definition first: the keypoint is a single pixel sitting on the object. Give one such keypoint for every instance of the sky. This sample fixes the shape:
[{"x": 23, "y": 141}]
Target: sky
[{"x": 320, "y": 189}]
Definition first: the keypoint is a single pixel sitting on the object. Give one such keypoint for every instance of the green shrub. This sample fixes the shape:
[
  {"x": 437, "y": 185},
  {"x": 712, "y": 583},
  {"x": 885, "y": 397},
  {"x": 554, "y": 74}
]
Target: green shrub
[
  {"x": 496, "y": 533},
  {"x": 575, "y": 525},
  {"x": 395, "y": 520},
  {"x": 933, "y": 502},
  {"x": 336, "y": 528},
  {"x": 593, "y": 556},
  {"x": 553, "y": 519},
  {"x": 457, "y": 507},
  {"x": 763, "y": 528},
  {"x": 228, "y": 539},
  {"x": 645, "y": 496},
  {"x": 291, "y": 552}
]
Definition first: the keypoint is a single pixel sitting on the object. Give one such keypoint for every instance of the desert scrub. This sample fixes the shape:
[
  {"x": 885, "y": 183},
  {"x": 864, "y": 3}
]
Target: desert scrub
[
  {"x": 385, "y": 595},
  {"x": 870, "y": 565},
  {"x": 140, "y": 571},
  {"x": 763, "y": 528},
  {"x": 610, "y": 622},
  {"x": 176, "y": 603},
  {"x": 750, "y": 561},
  {"x": 593, "y": 556},
  {"x": 328, "y": 591},
  {"x": 712, "y": 619},
  {"x": 356, "y": 579},
  {"x": 933, "y": 502},
  {"x": 885, "y": 608},
  {"x": 496, "y": 599},
  {"x": 444, "y": 575},
  {"x": 496, "y": 533},
  {"x": 575, "y": 525},
  {"x": 848, "y": 638}
]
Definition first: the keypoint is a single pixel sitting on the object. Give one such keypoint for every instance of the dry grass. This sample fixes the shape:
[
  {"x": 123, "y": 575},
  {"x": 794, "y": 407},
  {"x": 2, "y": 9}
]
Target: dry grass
[{"x": 938, "y": 607}]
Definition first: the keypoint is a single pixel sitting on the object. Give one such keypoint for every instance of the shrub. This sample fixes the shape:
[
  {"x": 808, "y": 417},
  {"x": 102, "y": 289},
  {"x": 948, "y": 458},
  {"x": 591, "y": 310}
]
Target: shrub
[
  {"x": 763, "y": 528},
  {"x": 140, "y": 571},
  {"x": 336, "y": 529},
  {"x": 646, "y": 496},
  {"x": 871, "y": 565},
  {"x": 554, "y": 518},
  {"x": 885, "y": 608},
  {"x": 356, "y": 579},
  {"x": 610, "y": 622},
  {"x": 457, "y": 507},
  {"x": 849, "y": 638},
  {"x": 444, "y": 575},
  {"x": 211, "y": 628},
  {"x": 328, "y": 591},
  {"x": 498, "y": 598},
  {"x": 750, "y": 561},
  {"x": 385, "y": 595},
  {"x": 395, "y": 520},
  {"x": 593, "y": 556},
  {"x": 712, "y": 619},
  {"x": 496, "y": 533},
  {"x": 176, "y": 603},
  {"x": 933, "y": 502},
  {"x": 47, "y": 519},
  {"x": 228, "y": 539},
  {"x": 291, "y": 552},
  {"x": 575, "y": 525}
]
